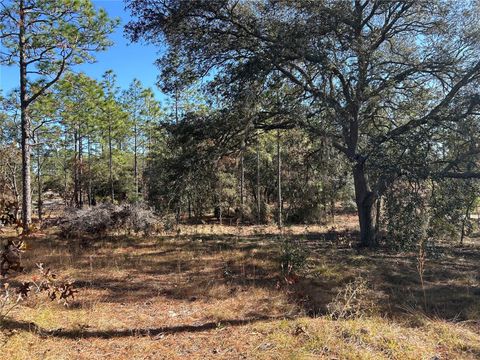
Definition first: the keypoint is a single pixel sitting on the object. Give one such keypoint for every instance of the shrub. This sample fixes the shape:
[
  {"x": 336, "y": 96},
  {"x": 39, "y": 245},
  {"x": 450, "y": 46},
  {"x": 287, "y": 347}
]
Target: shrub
[
  {"x": 419, "y": 211},
  {"x": 349, "y": 205},
  {"x": 46, "y": 282},
  {"x": 293, "y": 256},
  {"x": 9, "y": 300},
  {"x": 407, "y": 215},
  {"x": 169, "y": 223}
]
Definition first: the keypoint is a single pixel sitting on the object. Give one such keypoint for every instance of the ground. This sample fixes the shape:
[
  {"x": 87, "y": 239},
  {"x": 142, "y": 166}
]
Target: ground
[{"x": 216, "y": 292}]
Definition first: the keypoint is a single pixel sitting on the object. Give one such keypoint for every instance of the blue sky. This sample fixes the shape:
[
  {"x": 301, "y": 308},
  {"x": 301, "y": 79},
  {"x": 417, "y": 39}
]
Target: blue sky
[{"x": 128, "y": 61}]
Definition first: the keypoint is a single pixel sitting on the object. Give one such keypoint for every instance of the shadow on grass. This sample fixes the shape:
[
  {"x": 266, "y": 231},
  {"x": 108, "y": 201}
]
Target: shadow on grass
[
  {"x": 187, "y": 266},
  {"x": 77, "y": 334}
]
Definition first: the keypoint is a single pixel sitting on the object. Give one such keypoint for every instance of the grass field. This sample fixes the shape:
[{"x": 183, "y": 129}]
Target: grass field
[{"x": 216, "y": 292}]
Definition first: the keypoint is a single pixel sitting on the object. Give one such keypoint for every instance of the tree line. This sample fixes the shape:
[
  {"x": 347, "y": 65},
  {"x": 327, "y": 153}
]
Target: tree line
[
  {"x": 280, "y": 111},
  {"x": 392, "y": 85}
]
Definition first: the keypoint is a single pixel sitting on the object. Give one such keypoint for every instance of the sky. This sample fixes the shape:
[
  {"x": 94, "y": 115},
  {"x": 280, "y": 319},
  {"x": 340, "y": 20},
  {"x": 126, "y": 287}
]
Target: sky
[{"x": 128, "y": 61}]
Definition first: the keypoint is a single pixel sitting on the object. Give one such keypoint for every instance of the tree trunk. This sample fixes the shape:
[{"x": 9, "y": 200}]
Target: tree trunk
[
  {"x": 80, "y": 167},
  {"x": 25, "y": 126},
  {"x": 189, "y": 208},
  {"x": 39, "y": 181},
  {"x": 242, "y": 181},
  {"x": 465, "y": 220},
  {"x": 279, "y": 180},
  {"x": 65, "y": 171},
  {"x": 15, "y": 191},
  {"x": 75, "y": 169},
  {"x": 135, "y": 160},
  {"x": 89, "y": 151},
  {"x": 378, "y": 216},
  {"x": 332, "y": 207},
  {"x": 258, "y": 182},
  {"x": 26, "y": 180},
  {"x": 110, "y": 162},
  {"x": 365, "y": 200},
  {"x": 220, "y": 213},
  {"x": 176, "y": 105}
]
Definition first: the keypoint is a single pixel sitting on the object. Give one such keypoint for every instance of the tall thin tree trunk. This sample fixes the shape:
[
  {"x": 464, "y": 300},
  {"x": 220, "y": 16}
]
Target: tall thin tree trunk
[
  {"x": 378, "y": 215},
  {"x": 220, "y": 213},
  {"x": 39, "y": 181},
  {"x": 465, "y": 220},
  {"x": 15, "y": 191},
  {"x": 75, "y": 169},
  {"x": 220, "y": 219},
  {"x": 25, "y": 125},
  {"x": 110, "y": 162},
  {"x": 332, "y": 207},
  {"x": 242, "y": 182},
  {"x": 176, "y": 105},
  {"x": 80, "y": 167},
  {"x": 259, "y": 208},
  {"x": 65, "y": 172},
  {"x": 189, "y": 207},
  {"x": 279, "y": 180},
  {"x": 89, "y": 151},
  {"x": 135, "y": 161}
]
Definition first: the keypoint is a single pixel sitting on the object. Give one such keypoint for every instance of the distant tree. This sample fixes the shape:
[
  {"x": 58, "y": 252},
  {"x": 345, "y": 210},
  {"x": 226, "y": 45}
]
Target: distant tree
[
  {"x": 79, "y": 99},
  {"x": 113, "y": 122},
  {"x": 143, "y": 111},
  {"x": 44, "y": 38},
  {"x": 44, "y": 135},
  {"x": 10, "y": 156}
]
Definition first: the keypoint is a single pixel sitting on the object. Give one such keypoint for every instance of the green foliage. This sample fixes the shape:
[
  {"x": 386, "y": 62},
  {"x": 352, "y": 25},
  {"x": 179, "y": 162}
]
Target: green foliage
[
  {"x": 407, "y": 215},
  {"x": 293, "y": 256},
  {"x": 382, "y": 83},
  {"x": 426, "y": 211},
  {"x": 452, "y": 204},
  {"x": 60, "y": 33}
]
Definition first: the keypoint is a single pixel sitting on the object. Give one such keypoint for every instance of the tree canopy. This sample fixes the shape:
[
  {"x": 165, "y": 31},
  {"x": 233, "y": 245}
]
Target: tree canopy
[{"x": 387, "y": 82}]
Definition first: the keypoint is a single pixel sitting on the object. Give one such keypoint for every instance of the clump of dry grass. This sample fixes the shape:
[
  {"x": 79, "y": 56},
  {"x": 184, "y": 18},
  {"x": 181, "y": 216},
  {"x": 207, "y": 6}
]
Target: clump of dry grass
[
  {"x": 354, "y": 300},
  {"x": 366, "y": 338}
]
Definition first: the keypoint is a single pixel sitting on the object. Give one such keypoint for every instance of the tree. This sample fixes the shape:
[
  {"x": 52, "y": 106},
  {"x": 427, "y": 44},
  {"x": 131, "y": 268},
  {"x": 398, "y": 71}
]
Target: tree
[
  {"x": 44, "y": 38},
  {"x": 44, "y": 135},
  {"x": 79, "y": 99},
  {"x": 113, "y": 122},
  {"x": 9, "y": 157},
  {"x": 140, "y": 106},
  {"x": 370, "y": 74}
]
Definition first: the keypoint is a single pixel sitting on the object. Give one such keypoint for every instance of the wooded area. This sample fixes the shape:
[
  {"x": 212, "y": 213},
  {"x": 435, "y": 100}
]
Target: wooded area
[{"x": 313, "y": 166}]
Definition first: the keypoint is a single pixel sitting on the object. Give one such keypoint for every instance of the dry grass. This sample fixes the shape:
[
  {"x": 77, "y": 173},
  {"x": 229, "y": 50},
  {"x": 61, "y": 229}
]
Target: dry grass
[{"x": 216, "y": 292}]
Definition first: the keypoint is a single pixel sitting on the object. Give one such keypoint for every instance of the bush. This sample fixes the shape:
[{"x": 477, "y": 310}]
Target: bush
[
  {"x": 267, "y": 213},
  {"x": 46, "y": 282},
  {"x": 99, "y": 220},
  {"x": 407, "y": 216},
  {"x": 308, "y": 213},
  {"x": 349, "y": 205},
  {"x": 293, "y": 256},
  {"x": 169, "y": 223}
]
